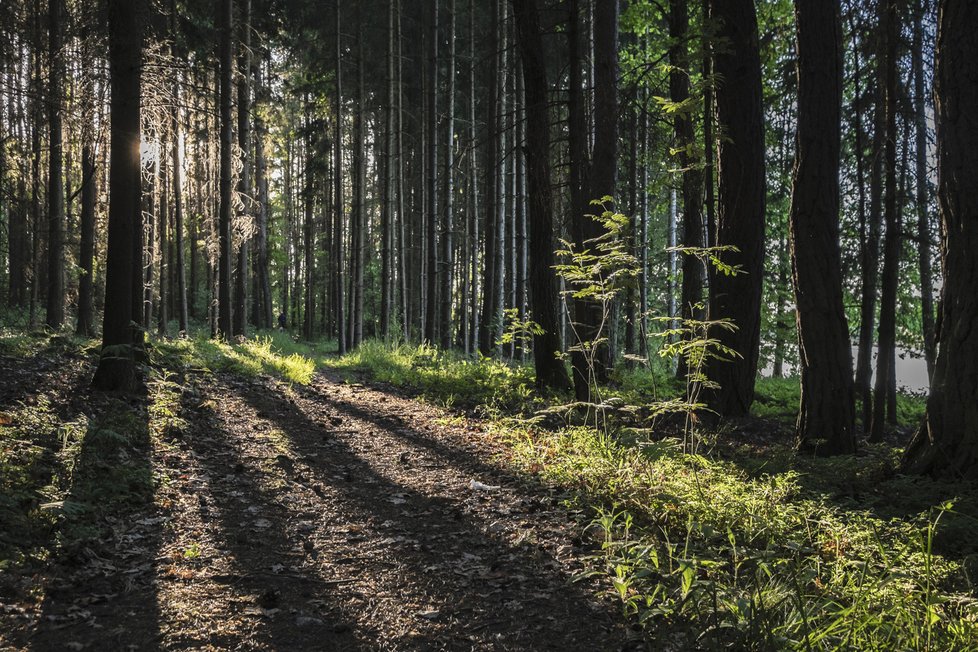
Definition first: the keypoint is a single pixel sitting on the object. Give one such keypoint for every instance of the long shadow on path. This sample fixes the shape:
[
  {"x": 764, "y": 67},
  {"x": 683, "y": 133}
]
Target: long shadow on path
[{"x": 430, "y": 563}]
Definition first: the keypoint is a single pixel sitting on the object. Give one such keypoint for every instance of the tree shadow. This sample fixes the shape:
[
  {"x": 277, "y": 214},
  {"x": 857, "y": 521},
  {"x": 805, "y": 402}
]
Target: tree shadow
[
  {"x": 99, "y": 589},
  {"x": 463, "y": 578}
]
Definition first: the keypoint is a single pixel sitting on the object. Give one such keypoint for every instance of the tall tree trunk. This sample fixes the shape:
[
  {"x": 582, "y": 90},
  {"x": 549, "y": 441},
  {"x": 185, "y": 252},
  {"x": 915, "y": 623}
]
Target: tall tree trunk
[
  {"x": 162, "y": 225},
  {"x": 434, "y": 269},
  {"x": 826, "y": 421},
  {"x": 183, "y": 317},
  {"x": 387, "y": 215},
  {"x": 338, "y": 198},
  {"x": 946, "y": 445},
  {"x": 490, "y": 285},
  {"x": 308, "y": 234},
  {"x": 868, "y": 247},
  {"x": 519, "y": 212},
  {"x": 226, "y": 56},
  {"x": 582, "y": 227},
  {"x": 148, "y": 247},
  {"x": 240, "y": 311},
  {"x": 886, "y": 333},
  {"x": 56, "y": 196},
  {"x": 86, "y": 253},
  {"x": 358, "y": 240},
  {"x": 472, "y": 340},
  {"x": 543, "y": 289},
  {"x": 741, "y": 202},
  {"x": 923, "y": 214},
  {"x": 263, "y": 300},
  {"x": 692, "y": 177},
  {"x": 448, "y": 225},
  {"x": 708, "y": 139},
  {"x": 116, "y": 367}
]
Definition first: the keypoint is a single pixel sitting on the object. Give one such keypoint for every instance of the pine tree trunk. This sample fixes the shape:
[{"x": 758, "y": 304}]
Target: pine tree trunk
[
  {"x": 86, "y": 254},
  {"x": 741, "y": 202},
  {"x": 434, "y": 269},
  {"x": 490, "y": 285},
  {"x": 923, "y": 213},
  {"x": 116, "y": 367},
  {"x": 225, "y": 55},
  {"x": 240, "y": 311},
  {"x": 56, "y": 197},
  {"x": 886, "y": 332},
  {"x": 448, "y": 225},
  {"x": 339, "y": 295},
  {"x": 543, "y": 288},
  {"x": 582, "y": 228},
  {"x": 691, "y": 294},
  {"x": 264, "y": 315},
  {"x": 183, "y": 317},
  {"x": 387, "y": 216},
  {"x": 826, "y": 421},
  {"x": 946, "y": 445}
]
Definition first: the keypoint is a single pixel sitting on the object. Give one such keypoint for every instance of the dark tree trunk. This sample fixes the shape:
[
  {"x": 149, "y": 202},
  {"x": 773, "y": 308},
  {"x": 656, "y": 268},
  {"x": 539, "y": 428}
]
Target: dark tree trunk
[
  {"x": 338, "y": 256},
  {"x": 263, "y": 296},
  {"x": 387, "y": 214},
  {"x": 56, "y": 195},
  {"x": 448, "y": 226},
  {"x": 886, "y": 333},
  {"x": 490, "y": 299},
  {"x": 431, "y": 178},
  {"x": 867, "y": 250},
  {"x": 183, "y": 317},
  {"x": 708, "y": 140},
  {"x": 826, "y": 421},
  {"x": 86, "y": 253},
  {"x": 923, "y": 214},
  {"x": 691, "y": 294},
  {"x": 225, "y": 55},
  {"x": 116, "y": 367},
  {"x": 604, "y": 164},
  {"x": 240, "y": 311},
  {"x": 947, "y": 443},
  {"x": 741, "y": 203},
  {"x": 543, "y": 289},
  {"x": 582, "y": 227}
]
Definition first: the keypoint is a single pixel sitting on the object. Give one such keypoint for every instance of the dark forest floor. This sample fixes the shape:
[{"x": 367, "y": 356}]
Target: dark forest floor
[{"x": 255, "y": 515}]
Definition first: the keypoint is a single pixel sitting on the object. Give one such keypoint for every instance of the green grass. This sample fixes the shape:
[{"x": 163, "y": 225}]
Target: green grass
[
  {"x": 272, "y": 353},
  {"x": 446, "y": 377}
]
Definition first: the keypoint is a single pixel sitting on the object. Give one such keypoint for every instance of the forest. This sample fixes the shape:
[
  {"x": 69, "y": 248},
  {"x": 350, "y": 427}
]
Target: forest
[{"x": 488, "y": 325}]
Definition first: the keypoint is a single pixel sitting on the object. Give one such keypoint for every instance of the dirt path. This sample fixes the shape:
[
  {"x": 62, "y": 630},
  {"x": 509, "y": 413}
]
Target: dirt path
[{"x": 328, "y": 517}]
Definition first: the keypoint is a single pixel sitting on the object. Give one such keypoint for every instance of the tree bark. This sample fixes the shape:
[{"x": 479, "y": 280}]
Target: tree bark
[
  {"x": 56, "y": 197},
  {"x": 923, "y": 194},
  {"x": 490, "y": 286},
  {"x": 116, "y": 367},
  {"x": 448, "y": 225},
  {"x": 741, "y": 204},
  {"x": 338, "y": 198},
  {"x": 550, "y": 369},
  {"x": 886, "y": 332},
  {"x": 225, "y": 55},
  {"x": 691, "y": 294},
  {"x": 240, "y": 311},
  {"x": 826, "y": 421},
  {"x": 946, "y": 445}
]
